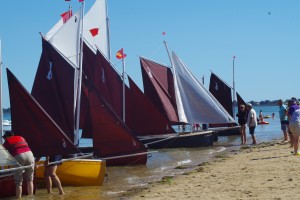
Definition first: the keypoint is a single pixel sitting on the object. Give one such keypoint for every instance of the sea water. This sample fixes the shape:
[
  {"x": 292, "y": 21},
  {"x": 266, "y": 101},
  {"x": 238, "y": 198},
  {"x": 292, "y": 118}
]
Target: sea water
[{"x": 166, "y": 162}]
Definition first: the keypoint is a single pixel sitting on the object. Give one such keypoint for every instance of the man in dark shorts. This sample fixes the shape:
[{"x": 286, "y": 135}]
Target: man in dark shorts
[{"x": 252, "y": 122}]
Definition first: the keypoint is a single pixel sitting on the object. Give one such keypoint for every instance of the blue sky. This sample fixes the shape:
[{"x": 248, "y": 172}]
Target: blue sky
[{"x": 264, "y": 35}]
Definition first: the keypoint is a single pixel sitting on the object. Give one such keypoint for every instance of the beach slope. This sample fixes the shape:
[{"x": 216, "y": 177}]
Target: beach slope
[{"x": 264, "y": 171}]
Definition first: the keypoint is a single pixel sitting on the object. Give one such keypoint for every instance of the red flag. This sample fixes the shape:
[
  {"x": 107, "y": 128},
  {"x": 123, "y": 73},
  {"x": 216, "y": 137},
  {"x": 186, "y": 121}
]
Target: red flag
[
  {"x": 94, "y": 31},
  {"x": 163, "y": 33},
  {"x": 66, "y": 15},
  {"x": 120, "y": 54},
  {"x": 81, "y": 0}
]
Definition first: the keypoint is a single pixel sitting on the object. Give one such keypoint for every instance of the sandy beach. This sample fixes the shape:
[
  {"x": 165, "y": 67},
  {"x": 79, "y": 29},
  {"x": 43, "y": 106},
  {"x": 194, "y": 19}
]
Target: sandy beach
[{"x": 265, "y": 171}]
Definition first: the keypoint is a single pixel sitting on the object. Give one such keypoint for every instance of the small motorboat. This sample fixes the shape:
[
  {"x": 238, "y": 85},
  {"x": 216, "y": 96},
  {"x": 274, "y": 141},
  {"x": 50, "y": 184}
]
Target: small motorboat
[
  {"x": 263, "y": 122},
  {"x": 6, "y": 122}
]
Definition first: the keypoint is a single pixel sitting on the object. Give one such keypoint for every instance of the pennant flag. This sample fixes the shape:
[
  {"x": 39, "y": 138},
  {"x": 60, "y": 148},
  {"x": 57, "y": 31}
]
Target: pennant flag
[
  {"x": 66, "y": 15},
  {"x": 94, "y": 31},
  {"x": 163, "y": 33},
  {"x": 81, "y": 0},
  {"x": 120, "y": 54}
]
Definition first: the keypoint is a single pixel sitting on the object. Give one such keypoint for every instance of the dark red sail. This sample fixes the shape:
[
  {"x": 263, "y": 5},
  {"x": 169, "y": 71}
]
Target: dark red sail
[
  {"x": 240, "y": 101},
  {"x": 159, "y": 88},
  {"x": 104, "y": 77},
  {"x": 142, "y": 116},
  {"x": 222, "y": 92},
  {"x": 111, "y": 137},
  {"x": 53, "y": 88},
  {"x": 31, "y": 121}
]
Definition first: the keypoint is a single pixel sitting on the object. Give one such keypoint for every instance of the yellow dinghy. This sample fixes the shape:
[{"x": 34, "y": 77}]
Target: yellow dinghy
[{"x": 78, "y": 172}]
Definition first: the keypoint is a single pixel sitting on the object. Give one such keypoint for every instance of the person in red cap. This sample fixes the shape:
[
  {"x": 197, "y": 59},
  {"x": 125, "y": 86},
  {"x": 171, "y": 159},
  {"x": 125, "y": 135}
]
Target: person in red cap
[{"x": 19, "y": 149}]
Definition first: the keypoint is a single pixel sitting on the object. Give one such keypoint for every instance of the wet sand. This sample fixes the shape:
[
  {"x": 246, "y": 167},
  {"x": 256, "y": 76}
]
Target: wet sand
[{"x": 264, "y": 171}]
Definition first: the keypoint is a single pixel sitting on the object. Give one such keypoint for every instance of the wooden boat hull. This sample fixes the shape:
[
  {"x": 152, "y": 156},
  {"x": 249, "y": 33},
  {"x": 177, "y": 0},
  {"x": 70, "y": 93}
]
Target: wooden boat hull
[
  {"x": 8, "y": 187},
  {"x": 227, "y": 131},
  {"x": 79, "y": 172},
  {"x": 195, "y": 139}
]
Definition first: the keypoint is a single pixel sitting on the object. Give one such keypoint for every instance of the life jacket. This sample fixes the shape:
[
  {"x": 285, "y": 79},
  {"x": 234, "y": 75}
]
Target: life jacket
[{"x": 16, "y": 145}]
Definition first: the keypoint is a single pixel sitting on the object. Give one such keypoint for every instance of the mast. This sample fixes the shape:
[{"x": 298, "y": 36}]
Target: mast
[
  {"x": 123, "y": 74},
  {"x": 233, "y": 84},
  {"x": 1, "y": 109},
  {"x": 107, "y": 31},
  {"x": 172, "y": 64},
  {"x": 76, "y": 134}
]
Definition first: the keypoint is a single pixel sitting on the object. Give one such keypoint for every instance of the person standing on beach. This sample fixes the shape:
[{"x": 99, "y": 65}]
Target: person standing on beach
[
  {"x": 242, "y": 115},
  {"x": 283, "y": 119},
  {"x": 251, "y": 122},
  {"x": 294, "y": 123},
  {"x": 50, "y": 173},
  {"x": 19, "y": 149}
]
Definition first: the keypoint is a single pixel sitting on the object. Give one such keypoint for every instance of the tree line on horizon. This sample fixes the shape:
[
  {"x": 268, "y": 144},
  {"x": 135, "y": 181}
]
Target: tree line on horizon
[{"x": 266, "y": 102}]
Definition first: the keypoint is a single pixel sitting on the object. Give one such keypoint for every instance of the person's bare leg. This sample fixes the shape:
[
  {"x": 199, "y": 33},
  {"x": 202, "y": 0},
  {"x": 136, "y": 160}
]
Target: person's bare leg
[
  {"x": 285, "y": 135},
  {"x": 244, "y": 134},
  {"x": 19, "y": 191},
  {"x": 254, "y": 139},
  {"x": 30, "y": 187},
  {"x": 48, "y": 179},
  {"x": 296, "y": 144},
  {"x": 55, "y": 179}
]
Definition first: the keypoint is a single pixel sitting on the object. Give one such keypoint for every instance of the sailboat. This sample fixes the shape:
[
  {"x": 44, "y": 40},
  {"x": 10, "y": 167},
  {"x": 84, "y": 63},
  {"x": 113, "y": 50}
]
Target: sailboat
[
  {"x": 183, "y": 100},
  {"x": 46, "y": 138},
  {"x": 59, "y": 117},
  {"x": 99, "y": 116},
  {"x": 222, "y": 92}
]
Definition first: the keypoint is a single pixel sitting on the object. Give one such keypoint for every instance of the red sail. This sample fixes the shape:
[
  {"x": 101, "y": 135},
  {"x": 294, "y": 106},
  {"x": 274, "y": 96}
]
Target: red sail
[
  {"x": 222, "y": 92},
  {"x": 104, "y": 77},
  {"x": 159, "y": 87},
  {"x": 240, "y": 100},
  {"x": 53, "y": 88},
  {"x": 31, "y": 121},
  {"x": 142, "y": 116},
  {"x": 111, "y": 137}
]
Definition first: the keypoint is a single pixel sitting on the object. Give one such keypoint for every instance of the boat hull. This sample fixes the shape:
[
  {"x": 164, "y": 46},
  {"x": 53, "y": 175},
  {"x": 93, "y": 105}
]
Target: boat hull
[
  {"x": 188, "y": 140},
  {"x": 79, "y": 172},
  {"x": 227, "y": 131},
  {"x": 8, "y": 187}
]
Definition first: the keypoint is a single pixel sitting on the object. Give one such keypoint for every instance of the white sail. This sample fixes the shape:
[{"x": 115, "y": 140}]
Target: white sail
[
  {"x": 5, "y": 158},
  {"x": 96, "y": 17},
  {"x": 54, "y": 29},
  {"x": 198, "y": 104},
  {"x": 65, "y": 40}
]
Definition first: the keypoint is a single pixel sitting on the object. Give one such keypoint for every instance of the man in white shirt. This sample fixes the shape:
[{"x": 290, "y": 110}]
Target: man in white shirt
[{"x": 251, "y": 122}]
